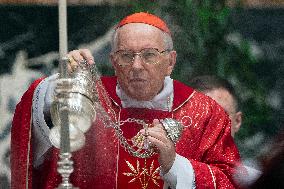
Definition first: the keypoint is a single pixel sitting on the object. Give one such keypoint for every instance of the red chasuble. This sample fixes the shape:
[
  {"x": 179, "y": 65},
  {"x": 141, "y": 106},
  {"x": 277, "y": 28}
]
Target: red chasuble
[{"x": 103, "y": 163}]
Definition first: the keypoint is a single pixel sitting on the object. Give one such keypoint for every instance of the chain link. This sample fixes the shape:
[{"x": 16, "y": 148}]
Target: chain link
[{"x": 133, "y": 120}]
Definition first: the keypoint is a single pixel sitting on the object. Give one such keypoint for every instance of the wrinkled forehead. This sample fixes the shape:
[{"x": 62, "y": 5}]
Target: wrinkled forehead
[
  {"x": 139, "y": 28},
  {"x": 138, "y": 33}
]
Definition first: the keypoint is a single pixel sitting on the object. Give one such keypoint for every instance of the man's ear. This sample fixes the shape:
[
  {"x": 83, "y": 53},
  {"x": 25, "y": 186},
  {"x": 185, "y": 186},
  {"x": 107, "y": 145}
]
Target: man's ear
[
  {"x": 111, "y": 58},
  {"x": 238, "y": 121},
  {"x": 172, "y": 62}
]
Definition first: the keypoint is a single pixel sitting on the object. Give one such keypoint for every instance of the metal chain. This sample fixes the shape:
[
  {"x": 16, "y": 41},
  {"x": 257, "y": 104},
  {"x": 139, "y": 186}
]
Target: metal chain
[
  {"x": 130, "y": 149},
  {"x": 133, "y": 120},
  {"x": 119, "y": 133}
]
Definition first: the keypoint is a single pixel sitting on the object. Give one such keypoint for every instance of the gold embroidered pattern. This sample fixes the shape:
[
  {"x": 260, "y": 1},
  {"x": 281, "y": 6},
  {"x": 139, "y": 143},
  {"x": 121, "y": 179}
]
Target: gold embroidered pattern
[{"x": 143, "y": 175}]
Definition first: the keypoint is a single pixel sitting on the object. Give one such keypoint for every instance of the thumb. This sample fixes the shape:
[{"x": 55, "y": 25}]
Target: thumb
[{"x": 156, "y": 121}]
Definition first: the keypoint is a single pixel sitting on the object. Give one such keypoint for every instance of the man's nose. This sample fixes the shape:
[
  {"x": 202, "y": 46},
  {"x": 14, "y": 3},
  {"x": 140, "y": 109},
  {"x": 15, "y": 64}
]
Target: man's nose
[{"x": 137, "y": 61}]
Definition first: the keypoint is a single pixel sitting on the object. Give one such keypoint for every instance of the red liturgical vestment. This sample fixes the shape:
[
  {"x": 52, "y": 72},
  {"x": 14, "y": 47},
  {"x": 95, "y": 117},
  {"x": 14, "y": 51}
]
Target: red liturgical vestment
[{"x": 103, "y": 163}]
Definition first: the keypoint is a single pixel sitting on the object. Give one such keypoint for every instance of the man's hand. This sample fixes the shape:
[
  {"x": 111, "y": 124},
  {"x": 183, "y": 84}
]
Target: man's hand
[
  {"x": 164, "y": 146},
  {"x": 77, "y": 56}
]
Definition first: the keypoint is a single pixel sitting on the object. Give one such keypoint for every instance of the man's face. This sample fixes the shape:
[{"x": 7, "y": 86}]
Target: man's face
[
  {"x": 225, "y": 99},
  {"x": 139, "y": 80}
]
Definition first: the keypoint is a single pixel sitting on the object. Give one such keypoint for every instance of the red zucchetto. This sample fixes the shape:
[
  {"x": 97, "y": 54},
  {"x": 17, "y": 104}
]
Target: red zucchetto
[{"x": 146, "y": 18}]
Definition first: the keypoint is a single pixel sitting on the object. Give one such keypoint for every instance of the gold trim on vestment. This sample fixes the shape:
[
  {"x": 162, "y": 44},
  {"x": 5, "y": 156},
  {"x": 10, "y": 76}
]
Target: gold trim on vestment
[
  {"x": 190, "y": 96},
  {"x": 213, "y": 177},
  {"x": 28, "y": 154}
]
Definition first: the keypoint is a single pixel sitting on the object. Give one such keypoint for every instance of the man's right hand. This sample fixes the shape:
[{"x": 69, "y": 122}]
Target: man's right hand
[{"x": 77, "y": 56}]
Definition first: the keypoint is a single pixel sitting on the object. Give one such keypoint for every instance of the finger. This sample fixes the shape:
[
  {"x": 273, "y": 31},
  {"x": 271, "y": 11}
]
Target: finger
[
  {"x": 156, "y": 121},
  {"x": 157, "y": 128},
  {"x": 157, "y": 133},
  {"x": 158, "y": 144},
  {"x": 76, "y": 55},
  {"x": 154, "y": 127},
  {"x": 72, "y": 64},
  {"x": 160, "y": 135},
  {"x": 86, "y": 53}
]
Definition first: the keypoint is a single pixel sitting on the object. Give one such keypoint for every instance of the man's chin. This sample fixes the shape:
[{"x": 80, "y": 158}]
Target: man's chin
[
  {"x": 141, "y": 95},
  {"x": 138, "y": 86}
]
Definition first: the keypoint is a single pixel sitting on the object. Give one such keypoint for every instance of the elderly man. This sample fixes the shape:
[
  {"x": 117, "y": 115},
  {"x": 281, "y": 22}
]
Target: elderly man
[{"x": 142, "y": 91}]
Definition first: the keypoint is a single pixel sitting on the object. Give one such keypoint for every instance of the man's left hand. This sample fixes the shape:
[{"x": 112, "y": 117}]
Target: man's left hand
[{"x": 165, "y": 147}]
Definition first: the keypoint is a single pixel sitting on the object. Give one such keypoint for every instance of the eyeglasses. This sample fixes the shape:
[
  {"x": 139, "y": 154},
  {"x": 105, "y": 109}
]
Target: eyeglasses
[{"x": 148, "y": 56}]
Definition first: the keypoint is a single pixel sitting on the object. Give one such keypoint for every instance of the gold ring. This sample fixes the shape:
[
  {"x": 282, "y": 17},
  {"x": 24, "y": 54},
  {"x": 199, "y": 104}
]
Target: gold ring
[{"x": 71, "y": 59}]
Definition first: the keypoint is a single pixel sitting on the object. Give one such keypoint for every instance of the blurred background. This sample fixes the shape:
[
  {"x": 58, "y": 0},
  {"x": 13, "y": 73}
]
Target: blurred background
[{"x": 242, "y": 41}]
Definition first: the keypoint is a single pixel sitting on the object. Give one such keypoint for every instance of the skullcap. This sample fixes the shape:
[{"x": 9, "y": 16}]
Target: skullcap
[{"x": 146, "y": 18}]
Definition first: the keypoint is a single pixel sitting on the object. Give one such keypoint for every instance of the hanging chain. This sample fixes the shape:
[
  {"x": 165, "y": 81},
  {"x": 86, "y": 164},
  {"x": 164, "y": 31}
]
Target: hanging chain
[
  {"x": 140, "y": 153},
  {"x": 124, "y": 143}
]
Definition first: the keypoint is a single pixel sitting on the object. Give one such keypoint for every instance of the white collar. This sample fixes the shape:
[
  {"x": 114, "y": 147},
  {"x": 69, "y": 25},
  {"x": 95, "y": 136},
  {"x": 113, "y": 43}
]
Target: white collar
[{"x": 162, "y": 101}]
